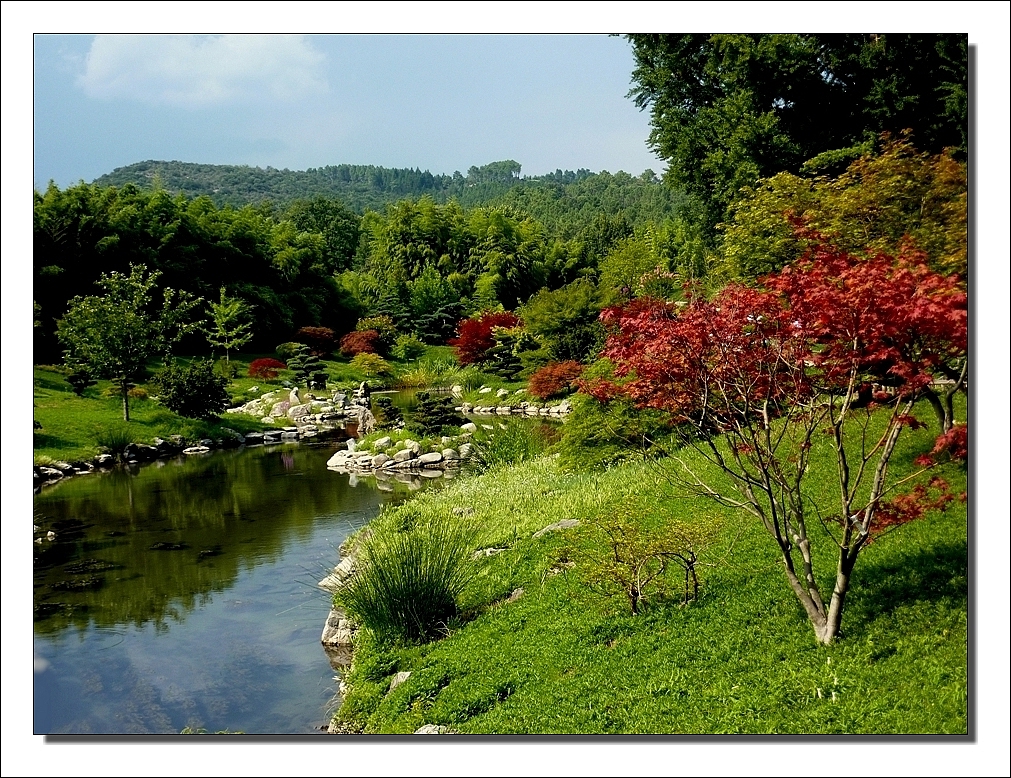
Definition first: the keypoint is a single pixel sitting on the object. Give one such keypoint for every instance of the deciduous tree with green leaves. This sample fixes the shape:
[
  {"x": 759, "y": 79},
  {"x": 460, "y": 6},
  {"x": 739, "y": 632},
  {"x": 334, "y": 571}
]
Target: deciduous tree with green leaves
[
  {"x": 230, "y": 328},
  {"x": 113, "y": 336}
]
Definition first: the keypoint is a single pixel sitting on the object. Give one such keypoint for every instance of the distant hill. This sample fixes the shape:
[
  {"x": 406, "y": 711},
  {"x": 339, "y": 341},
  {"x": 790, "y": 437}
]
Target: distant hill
[
  {"x": 358, "y": 186},
  {"x": 558, "y": 199}
]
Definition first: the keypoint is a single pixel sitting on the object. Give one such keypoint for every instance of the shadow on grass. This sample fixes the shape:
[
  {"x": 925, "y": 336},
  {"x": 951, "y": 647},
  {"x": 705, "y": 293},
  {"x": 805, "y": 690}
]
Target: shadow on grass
[
  {"x": 53, "y": 382},
  {"x": 44, "y": 440},
  {"x": 931, "y": 575}
]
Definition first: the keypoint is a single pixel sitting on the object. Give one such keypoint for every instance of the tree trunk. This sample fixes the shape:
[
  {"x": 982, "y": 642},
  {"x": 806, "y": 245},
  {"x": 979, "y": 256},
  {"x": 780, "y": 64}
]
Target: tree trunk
[
  {"x": 825, "y": 623},
  {"x": 124, "y": 389},
  {"x": 942, "y": 412}
]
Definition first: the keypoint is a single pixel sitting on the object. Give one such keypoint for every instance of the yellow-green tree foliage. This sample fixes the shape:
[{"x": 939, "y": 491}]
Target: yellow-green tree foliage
[{"x": 869, "y": 208}]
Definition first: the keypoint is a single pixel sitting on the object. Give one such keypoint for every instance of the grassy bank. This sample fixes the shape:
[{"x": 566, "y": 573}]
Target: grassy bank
[
  {"x": 80, "y": 427},
  {"x": 566, "y": 658}
]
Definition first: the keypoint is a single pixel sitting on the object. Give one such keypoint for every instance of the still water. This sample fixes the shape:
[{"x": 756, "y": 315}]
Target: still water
[{"x": 183, "y": 593}]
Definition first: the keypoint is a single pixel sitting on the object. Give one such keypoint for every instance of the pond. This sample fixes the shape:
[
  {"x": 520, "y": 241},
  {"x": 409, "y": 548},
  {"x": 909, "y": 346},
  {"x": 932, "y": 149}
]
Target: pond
[{"x": 183, "y": 593}]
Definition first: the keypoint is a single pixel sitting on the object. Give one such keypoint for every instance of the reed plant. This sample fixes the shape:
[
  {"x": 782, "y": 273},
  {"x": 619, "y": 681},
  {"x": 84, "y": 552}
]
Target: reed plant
[{"x": 408, "y": 580}]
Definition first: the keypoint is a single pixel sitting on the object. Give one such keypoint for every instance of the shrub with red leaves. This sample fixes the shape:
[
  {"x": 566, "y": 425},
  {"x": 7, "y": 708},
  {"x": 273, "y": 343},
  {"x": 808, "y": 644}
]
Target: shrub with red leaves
[
  {"x": 955, "y": 441},
  {"x": 355, "y": 343},
  {"x": 555, "y": 378},
  {"x": 320, "y": 340},
  {"x": 475, "y": 336},
  {"x": 266, "y": 369}
]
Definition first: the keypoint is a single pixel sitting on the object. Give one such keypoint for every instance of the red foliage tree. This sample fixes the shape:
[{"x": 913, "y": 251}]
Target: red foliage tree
[
  {"x": 364, "y": 342},
  {"x": 555, "y": 378},
  {"x": 773, "y": 367},
  {"x": 320, "y": 340},
  {"x": 266, "y": 368},
  {"x": 475, "y": 336}
]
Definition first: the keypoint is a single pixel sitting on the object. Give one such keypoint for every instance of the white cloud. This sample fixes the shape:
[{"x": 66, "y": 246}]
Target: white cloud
[{"x": 196, "y": 71}]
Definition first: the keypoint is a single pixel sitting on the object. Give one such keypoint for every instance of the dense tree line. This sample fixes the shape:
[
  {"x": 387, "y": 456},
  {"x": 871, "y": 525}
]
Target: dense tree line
[
  {"x": 729, "y": 109},
  {"x": 363, "y": 187}
]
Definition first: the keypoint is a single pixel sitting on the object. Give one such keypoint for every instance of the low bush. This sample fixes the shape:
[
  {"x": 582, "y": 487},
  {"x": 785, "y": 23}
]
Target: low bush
[
  {"x": 364, "y": 342},
  {"x": 555, "y": 379},
  {"x": 137, "y": 393},
  {"x": 79, "y": 380},
  {"x": 406, "y": 348},
  {"x": 308, "y": 369},
  {"x": 226, "y": 368},
  {"x": 266, "y": 368},
  {"x": 194, "y": 390},
  {"x": 286, "y": 351},
  {"x": 371, "y": 365},
  {"x": 643, "y": 565},
  {"x": 599, "y": 434},
  {"x": 407, "y": 584},
  {"x": 320, "y": 340}
]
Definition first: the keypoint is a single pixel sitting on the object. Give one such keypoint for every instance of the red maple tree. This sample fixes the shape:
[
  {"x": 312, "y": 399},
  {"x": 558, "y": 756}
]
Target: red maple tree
[
  {"x": 360, "y": 342},
  {"x": 475, "y": 336},
  {"x": 757, "y": 374},
  {"x": 554, "y": 378},
  {"x": 266, "y": 368}
]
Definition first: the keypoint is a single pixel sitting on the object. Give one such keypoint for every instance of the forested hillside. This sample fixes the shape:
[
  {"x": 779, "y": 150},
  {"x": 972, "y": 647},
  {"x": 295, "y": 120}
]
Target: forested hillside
[{"x": 363, "y": 187}]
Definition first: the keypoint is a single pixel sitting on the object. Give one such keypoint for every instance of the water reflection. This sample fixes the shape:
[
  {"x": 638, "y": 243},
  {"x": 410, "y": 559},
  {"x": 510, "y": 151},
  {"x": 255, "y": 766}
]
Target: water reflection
[{"x": 184, "y": 594}]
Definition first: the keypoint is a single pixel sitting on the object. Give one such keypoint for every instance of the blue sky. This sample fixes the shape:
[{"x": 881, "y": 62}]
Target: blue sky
[{"x": 438, "y": 102}]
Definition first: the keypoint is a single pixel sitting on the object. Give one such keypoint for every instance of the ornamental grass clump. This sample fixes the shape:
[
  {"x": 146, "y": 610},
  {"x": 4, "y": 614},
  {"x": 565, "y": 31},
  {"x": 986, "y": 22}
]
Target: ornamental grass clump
[
  {"x": 513, "y": 442},
  {"x": 407, "y": 583}
]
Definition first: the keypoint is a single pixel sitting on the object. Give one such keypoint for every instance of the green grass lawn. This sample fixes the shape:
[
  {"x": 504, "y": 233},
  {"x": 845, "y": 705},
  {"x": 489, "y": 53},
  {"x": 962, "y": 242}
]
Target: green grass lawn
[
  {"x": 564, "y": 658},
  {"x": 75, "y": 427}
]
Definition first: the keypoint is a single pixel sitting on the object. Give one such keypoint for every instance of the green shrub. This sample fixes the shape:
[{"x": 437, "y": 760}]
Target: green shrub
[
  {"x": 642, "y": 565},
  {"x": 226, "y": 368},
  {"x": 307, "y": 368},
  {"x": 79, "y": 380},
  {"x": 434, "y": 413},
  {"x": 138, "y": 393},
  {"x": 384, "y": 326},
  {"x": 406, "y": 348},
  {"x": 407, "y": 584},
  {"x": 287, "y": 350},
  {"x": 387, "y": 414},
  {"x": 194, "y": 390},
  {"x": 596, "y": 434},
  {"x": 371, "y": 365}
]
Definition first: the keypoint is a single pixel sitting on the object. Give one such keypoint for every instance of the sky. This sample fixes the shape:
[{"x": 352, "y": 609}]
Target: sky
[{"x": 436, "y": 102}]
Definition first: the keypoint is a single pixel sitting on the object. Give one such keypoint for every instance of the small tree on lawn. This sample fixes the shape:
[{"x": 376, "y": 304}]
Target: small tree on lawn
[
  {"x": 114, "y": 336},
  {"x": 754, "y": 376},
  {"x": 229, "y": 328}
]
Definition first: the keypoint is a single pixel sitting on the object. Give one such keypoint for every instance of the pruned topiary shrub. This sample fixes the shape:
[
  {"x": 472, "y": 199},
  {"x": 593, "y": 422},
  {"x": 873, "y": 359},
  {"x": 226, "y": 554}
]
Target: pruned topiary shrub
[{"x": 434, "y": 413}]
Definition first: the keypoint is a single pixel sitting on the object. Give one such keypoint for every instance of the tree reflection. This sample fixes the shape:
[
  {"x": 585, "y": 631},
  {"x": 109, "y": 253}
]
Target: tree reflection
[{"x": 150, "y": 544}]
